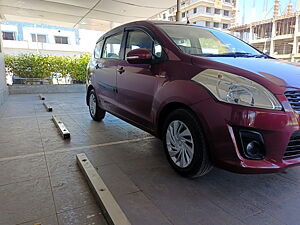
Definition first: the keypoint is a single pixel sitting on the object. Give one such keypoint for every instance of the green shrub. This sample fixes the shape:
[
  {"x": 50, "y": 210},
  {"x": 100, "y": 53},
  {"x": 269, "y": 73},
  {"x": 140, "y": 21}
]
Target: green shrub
[{"x": 44, "y": 66}]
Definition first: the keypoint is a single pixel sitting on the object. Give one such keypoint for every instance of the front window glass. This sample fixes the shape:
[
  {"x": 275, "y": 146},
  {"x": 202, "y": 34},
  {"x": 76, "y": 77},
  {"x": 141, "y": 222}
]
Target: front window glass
[
  {"x": 207, "y": 42},
  {"x": 112, "y": 47},
  {"x": 138, "y": 39},
  {"x": 98, "y": 49}
]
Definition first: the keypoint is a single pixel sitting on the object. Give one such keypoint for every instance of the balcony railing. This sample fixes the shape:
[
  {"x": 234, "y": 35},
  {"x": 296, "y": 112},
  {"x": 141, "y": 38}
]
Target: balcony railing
[{"x": 41, "y": 46}]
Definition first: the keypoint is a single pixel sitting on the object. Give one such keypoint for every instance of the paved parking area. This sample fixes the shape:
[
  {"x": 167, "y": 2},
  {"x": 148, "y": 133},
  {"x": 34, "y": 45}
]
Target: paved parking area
[{"x": 41, "y": 183}]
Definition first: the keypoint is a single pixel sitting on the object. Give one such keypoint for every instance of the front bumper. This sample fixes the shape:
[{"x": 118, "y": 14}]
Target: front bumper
[{"x": 219, "y": 120}]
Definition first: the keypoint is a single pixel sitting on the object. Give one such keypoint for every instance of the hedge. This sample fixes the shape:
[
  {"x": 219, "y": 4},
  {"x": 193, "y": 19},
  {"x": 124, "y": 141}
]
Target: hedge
[{"x": 44, "y": 66}]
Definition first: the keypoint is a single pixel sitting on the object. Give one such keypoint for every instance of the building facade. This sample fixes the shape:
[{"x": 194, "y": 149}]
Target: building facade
[
  {"x": 218, "y": 14},
  {"x": 278, "y": 36},
  {"x": 45, "y": 39}
]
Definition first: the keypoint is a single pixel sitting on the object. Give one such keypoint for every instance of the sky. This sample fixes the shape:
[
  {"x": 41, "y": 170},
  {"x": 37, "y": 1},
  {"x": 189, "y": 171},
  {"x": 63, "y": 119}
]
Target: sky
[{"x": 249, "y": 14}]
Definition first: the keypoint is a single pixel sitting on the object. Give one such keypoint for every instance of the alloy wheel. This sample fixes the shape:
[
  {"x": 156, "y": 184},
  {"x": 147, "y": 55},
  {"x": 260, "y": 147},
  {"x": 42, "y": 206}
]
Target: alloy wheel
[{"x": 180, "y": 143}]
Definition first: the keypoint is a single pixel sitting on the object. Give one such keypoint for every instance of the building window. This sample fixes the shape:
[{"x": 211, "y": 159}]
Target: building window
[
  {"x": 195, "y": 22},
  {"x": 226, "y": 13},
  {"x": 227, "y": 1},
  {"x": 218, "y": 11},
  {"x": 183, "y": 14},
  {"x": 208, "y": 10},
  {"x": 8, "y": 36},
  {"x": 61, "y": 40},
  {"x": 39, "y": 38},
  {"x": 164, "y": 16},
  {"x": 207, "y": 23},
  {"x": 225, "y": 26},
  {"x": 195, "y": 10},
  {"x": 216, "y": 24}
]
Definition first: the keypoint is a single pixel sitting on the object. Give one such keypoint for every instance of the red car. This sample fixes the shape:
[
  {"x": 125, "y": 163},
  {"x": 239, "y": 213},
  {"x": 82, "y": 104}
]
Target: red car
[{"x": 211, "y": 98}]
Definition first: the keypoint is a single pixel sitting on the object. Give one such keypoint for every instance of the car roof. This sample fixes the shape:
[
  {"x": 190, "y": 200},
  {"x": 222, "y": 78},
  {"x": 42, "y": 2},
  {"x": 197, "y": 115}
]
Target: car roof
[{"x": 147, "y": 23}]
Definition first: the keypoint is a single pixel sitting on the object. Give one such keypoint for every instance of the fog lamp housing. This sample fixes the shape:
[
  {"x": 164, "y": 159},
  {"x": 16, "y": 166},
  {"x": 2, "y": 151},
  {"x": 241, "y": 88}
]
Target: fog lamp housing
[{"x": 252, "y": 144}]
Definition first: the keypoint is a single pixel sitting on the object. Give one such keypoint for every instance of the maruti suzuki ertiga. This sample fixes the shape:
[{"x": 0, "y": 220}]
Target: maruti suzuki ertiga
[{"x": 210, "y": 97}]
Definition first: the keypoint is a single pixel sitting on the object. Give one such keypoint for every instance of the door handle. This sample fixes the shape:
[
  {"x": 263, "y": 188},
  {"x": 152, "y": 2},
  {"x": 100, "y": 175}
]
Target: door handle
[
  {"x": 121, "y": 70},
  {"x": 97, "y": 66}
]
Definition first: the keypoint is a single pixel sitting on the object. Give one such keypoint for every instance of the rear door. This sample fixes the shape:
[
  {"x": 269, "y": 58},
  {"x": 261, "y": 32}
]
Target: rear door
[
  {"x": 105, "y": 70},
  {"x": 137, "y": 83}
]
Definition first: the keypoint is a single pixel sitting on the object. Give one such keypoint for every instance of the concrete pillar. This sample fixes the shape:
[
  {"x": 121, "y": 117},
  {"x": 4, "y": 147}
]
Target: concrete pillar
[
  {"x": 289, "y": 9},
  {"x": 276, "y": 8},
  {"x": 272, "y": 47},
  {"x": 3, "y": 86},
  {"x": 251, "y": 34},
  {"x": 295, "y": 41},
  {"x": 178, "y": 12}
]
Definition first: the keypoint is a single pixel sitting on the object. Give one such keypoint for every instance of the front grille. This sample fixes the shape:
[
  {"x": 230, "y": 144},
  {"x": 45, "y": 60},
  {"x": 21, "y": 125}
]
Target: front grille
[
  {"x": 294, "y": 99},
  {"x": 293, "y": 149}
]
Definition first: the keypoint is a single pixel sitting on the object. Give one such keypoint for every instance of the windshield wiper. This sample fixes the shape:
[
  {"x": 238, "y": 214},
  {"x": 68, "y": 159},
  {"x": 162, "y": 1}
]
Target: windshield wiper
[{"x": 234, "y": 54}]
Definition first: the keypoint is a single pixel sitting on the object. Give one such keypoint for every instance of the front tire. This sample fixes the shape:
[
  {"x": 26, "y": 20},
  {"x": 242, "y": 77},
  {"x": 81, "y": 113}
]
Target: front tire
[
  {"x": 184, "y": 144},
  {"x": 95, "y": 111}
]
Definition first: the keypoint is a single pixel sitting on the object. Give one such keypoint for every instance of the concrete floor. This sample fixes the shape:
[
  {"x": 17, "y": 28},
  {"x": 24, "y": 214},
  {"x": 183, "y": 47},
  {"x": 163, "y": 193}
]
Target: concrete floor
[{"x": 41, "y": 183}]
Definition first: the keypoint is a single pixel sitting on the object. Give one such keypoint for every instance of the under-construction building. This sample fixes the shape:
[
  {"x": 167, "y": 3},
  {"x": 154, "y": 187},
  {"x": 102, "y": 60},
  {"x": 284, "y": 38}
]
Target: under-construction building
[{"x": 279, "y": 36}]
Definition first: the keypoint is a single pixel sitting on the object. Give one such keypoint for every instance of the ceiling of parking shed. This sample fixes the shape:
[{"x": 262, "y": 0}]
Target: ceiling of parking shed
[{"x": 86, "y": 14}]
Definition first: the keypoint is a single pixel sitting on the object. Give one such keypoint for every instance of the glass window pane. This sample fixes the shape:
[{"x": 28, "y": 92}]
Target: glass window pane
[
  {"x": 198, "y": 41},
  {"x": 8, "y": 36},
  {"x": 112, "y": 47},
  {"x": 39, "y": 38},
  {"x": 138, "y": 39},
  {"x": 98, "y": 49},
  {"x": 61, "y": 40}
]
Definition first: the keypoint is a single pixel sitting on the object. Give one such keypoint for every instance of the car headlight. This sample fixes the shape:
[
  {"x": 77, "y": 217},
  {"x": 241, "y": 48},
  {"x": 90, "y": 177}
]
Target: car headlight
[{"x": 234, "y": 89}]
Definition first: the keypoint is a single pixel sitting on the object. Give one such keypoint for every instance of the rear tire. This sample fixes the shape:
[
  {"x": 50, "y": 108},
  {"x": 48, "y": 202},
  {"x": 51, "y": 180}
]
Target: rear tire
[
  {"x": 184, "y": 144},
  {"x": 95, "y": 111}
]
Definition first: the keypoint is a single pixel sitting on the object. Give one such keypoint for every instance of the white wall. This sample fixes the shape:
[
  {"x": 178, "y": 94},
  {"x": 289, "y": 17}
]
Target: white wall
[{"x": 3, "y": 86}]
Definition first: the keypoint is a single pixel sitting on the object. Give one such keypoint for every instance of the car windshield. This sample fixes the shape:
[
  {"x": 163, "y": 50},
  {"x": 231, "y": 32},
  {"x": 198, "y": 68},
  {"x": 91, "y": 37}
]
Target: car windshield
[{"x": 208, "y": 42}]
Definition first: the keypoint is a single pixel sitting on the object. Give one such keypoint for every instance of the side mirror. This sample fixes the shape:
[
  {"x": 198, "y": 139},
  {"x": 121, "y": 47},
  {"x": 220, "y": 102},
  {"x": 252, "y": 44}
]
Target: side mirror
[{"x": 139, "y": 56}]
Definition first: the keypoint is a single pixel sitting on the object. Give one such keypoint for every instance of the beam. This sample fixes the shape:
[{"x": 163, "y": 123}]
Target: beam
[
  {"x": 178, "y": 12},
  {"x": 111, "y": 210},
  {"x": 42, "y": 97},
  {"x": 62, "y": 128},
  {"x": 47, "y": 106}
]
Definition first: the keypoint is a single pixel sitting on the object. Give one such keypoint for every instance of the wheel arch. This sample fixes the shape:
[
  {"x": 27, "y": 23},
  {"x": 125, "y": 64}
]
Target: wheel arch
[
  {"x": 165, "y": 111},
  {"x": 89, "y": 88}
]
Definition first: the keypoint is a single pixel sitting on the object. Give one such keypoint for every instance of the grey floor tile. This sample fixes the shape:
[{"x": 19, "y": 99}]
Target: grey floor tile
[
  {"x": 117, "y": 181},
  {"x": 70, "y": 191},
  {"x": 262, "y": 219},
  {"x": 20, "y": 147},
  {"x": 51, "y": 220},
  {"x": 64, "y": 162},
  {"x": 140, "y": 210},
  {"x": 86, "y": 215},
  {"x": 178, "y": 200},
  {"x": 287, "y": 211},
  {"x": 22, "y": 169},
  {"x": 26, "y": 201}
]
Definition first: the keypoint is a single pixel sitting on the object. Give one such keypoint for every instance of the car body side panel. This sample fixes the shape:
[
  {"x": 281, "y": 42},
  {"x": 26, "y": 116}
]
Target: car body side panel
[
  {"x": 105, "y": 82},
  {"x": 136, "y": 88}
]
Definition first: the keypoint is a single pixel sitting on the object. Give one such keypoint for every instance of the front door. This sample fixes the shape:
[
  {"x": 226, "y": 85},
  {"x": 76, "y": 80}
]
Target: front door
[{"x": 137, "y": 83}]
